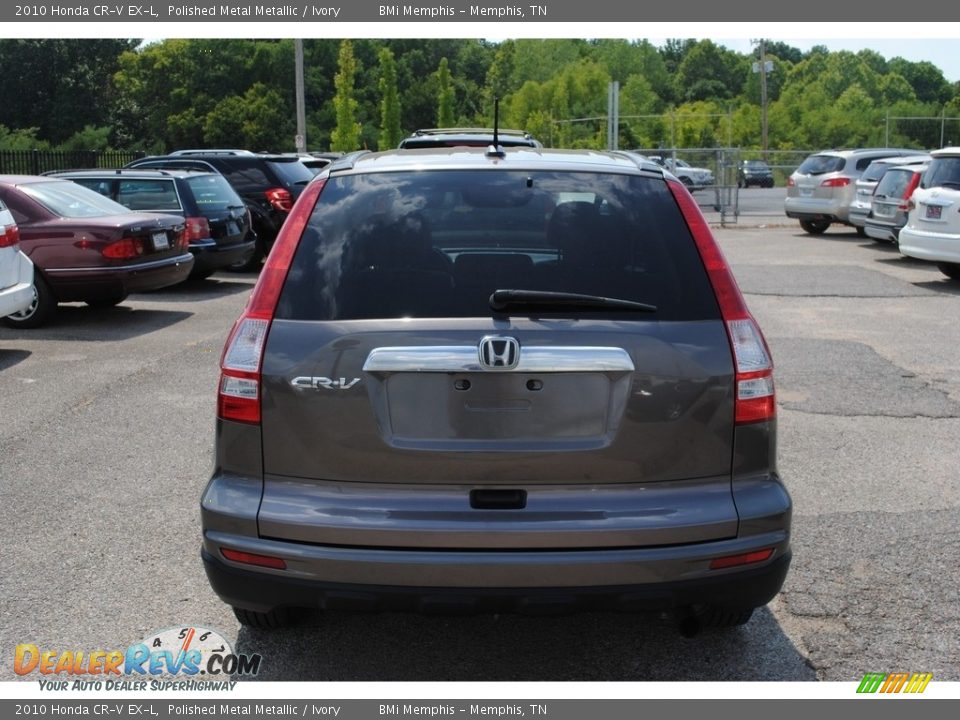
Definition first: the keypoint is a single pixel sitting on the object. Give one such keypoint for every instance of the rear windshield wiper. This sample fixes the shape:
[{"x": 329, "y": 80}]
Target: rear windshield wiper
[{"x": 503, "y": 300}]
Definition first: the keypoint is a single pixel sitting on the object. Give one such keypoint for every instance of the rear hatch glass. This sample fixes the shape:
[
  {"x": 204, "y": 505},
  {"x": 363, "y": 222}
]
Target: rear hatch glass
[
  {"x": 821, "y": 164},
  {"x": 943, "y": 172},
  {"x": 213, "y": 194},
  {"x": 437, "y": 244},
  {"x": 894, "y": 184}
]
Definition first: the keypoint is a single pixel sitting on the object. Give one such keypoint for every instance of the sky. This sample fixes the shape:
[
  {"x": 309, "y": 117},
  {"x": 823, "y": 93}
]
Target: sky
[{"x": 943, "y": 53}]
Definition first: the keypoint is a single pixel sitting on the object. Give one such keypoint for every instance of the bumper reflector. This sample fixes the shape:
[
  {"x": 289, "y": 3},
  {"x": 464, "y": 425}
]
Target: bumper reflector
[
  {"x": 254, "y": 559},
  {"x": 743, "y": 559}
]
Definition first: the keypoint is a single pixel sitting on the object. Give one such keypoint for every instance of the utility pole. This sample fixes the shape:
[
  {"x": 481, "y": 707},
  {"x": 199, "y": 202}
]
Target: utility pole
[
  {"x": 763, "y": 96},
  {"x": 301, "y": 139}
]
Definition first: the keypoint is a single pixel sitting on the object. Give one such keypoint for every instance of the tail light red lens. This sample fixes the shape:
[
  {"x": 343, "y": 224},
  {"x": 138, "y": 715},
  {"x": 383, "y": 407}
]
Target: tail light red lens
[
  {"x": 238, "y": 396},
  {"x": 9, "y": 236},
  {"x": 836, "y": 182},
  {"x": 196, "y": 228},
  {"x": 123, "y": 249},
  {"x": 755, "y": 399},
  {"x": 791, "y": 182},
  {"x": 280, "y": 198},
  {"x": 908, "y": 203}
]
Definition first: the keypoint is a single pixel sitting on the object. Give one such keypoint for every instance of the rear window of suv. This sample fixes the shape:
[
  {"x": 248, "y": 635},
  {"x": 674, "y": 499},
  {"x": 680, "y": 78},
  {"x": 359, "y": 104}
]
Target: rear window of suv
[
  {"x": 894, "y": 184},
  {"x": 821, "y": 164},
  {"x": 438, "y": 244},
  {"x": 943, "y": 172}
]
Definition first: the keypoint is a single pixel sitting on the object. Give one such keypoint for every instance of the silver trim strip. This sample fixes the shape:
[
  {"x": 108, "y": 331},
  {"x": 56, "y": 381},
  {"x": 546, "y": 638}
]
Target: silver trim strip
[
  {"x": 464, "y": 358},
  {"x": 177, "y": 260}
]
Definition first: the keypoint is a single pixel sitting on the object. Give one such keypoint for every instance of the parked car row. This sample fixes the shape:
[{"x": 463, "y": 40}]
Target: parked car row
[{"x": 906, "y": 197}]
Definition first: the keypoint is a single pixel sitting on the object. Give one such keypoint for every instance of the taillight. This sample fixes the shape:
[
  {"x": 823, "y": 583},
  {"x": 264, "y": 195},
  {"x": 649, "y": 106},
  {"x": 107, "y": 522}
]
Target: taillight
[
  {"x": 755, "y": 399},
  {"x": 791, "y": 182},
  {"x": 836, "y": 182},
  {"x": 9, "y": 236},
  {"x": 238, "y": 396},
  {"x": 280, "y": 198},
  {"x": 124, "y": 249},
  {"x": 908, "y": 193},
  {"x": 196, "y": 228}
]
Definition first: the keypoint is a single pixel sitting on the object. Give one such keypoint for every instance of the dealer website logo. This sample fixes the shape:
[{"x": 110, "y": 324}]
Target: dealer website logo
[
  {"x": 185, "y": 652},
  {"x": 911, "y": 683}
]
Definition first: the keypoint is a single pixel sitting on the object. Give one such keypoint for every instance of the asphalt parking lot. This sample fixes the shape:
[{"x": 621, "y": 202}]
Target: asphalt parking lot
[{"x": 105, "y": 446}]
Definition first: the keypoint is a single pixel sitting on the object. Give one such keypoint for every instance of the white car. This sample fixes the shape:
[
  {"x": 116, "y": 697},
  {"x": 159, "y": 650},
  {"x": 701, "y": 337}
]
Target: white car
[
  {"x": 16, "y": 270},
  {"x": 932, "y": 231},
  {"x": 695, "y": 178}
]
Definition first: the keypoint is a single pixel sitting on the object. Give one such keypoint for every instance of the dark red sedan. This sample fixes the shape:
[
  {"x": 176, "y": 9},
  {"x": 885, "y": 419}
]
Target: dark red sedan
[{"x": 87, "y": 248}]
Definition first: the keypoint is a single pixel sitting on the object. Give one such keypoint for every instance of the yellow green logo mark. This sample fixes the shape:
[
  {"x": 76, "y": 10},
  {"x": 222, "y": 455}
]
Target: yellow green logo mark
[{"x": 895, "y": 682}]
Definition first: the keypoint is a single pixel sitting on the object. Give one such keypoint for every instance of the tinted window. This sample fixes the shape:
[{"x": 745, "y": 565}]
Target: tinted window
[
  {"x": 437, "y": 244},
  {"x": 291, "y": 173},
  {"x": 875, "y": 171},
  {"x": 67, "y": 199},
  {"x": 943, "y": 172},
  {"x": 894, "y": 184},
  {"x": 213, "y": 193},
  {"x": 821, "y": 164},
  {"x": 148, "y": 194}
]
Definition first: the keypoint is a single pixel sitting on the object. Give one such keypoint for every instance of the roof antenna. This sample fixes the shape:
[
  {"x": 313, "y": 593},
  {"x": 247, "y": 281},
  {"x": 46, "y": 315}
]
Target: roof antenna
[{"x": 495, "y": 150}]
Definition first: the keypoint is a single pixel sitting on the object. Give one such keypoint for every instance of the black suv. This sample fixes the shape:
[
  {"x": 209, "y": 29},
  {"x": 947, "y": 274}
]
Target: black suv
[
  {"x": 467, "y": 137},
  {"x": 489, "y": 380},
  {"x": 268, "y": 183},
  {"x": 217, "y": 222},
  {"x": 754, "y": 172}
]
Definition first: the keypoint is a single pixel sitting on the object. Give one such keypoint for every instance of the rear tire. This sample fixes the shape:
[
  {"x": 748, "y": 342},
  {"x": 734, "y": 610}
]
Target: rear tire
[
  {"x": 43, "y": 307},
  {"x": 815, "y": 227},
  {"x": 272, "y": 620},
  {"x": 251, "y": 264},
  {"x": 951, "y": 270},
  {"x": 861, "y": 231}
]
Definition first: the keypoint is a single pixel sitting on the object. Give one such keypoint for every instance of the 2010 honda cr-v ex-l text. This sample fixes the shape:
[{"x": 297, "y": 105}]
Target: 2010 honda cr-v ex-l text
[{"x": 496, "y": 380}]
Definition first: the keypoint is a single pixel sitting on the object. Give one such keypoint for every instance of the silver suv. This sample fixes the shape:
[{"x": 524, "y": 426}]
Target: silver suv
[
  {"x": 820, "y": 191},
  {"x": 491, "y": 381}
]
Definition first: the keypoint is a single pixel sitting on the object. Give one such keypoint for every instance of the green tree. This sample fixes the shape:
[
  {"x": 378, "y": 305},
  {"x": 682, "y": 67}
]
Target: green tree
[
  {"x": 390, "y": 133},
  {"x": 446, "y": 96},
  {"x": 346, "y": 134}
]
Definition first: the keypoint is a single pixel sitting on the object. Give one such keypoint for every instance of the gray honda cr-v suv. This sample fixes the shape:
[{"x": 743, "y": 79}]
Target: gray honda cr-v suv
[{"x": 482, "y": 380}]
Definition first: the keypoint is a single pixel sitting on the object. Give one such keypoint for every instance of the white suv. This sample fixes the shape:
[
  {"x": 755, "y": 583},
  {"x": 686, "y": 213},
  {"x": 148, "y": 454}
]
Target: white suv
[
  {"x": 820, "y": 191},
  {"x": 932, "y": 231},
  {"x": 16, "y": 270}
]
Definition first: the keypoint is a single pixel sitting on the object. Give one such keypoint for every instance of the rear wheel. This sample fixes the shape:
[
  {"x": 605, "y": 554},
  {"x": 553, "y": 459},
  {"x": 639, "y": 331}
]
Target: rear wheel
[
  {"x": 815, "y": 227},
  {"x": 40, "y": 311},
  {"x": 252, "y": 263},
  {"x": 951, "y": 270},
  {"x": 276, "y": 618}
]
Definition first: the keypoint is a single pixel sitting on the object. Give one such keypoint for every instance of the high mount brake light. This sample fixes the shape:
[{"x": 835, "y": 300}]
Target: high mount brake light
[
  {"x": 755, "y": 398},
  {"x": 238, "y": 394}
]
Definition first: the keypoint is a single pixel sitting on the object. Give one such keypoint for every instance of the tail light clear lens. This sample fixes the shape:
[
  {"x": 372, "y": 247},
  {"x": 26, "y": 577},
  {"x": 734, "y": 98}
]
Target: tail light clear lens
[{"x": 791, "y": 182}]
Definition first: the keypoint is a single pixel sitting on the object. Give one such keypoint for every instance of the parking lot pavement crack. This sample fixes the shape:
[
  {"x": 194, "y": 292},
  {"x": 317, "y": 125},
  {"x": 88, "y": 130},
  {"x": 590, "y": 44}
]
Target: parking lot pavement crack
[
  {"x": 866, "y": 586},
  {"x": 916, "y": 416}
]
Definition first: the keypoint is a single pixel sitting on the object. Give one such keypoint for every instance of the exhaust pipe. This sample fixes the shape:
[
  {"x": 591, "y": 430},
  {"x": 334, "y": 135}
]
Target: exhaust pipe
[{"x": 688, "y": 623}]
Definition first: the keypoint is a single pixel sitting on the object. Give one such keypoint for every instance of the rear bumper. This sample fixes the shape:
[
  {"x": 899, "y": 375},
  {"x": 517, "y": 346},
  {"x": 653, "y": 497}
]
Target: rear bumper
[
  {"x": 19, "y": 294},
  {"x": 208, "y": 256},
  {"x": 89, "y": 283},
  {"x": 934, "y": 246},
  {"x": 816, "y": 209},
  {"x": 262, "y": 591}
]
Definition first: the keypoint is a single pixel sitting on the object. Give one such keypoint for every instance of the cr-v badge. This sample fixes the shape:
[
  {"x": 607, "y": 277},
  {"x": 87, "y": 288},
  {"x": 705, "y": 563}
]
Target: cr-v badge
[{"x": 325, "y": 383}]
